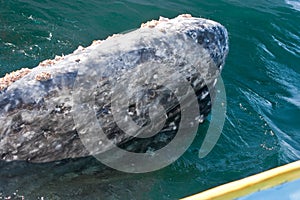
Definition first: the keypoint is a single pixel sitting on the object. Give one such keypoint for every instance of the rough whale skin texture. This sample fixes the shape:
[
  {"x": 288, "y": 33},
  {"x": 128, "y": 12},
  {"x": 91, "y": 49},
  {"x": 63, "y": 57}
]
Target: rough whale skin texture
[{"x": 37, "y": 106}]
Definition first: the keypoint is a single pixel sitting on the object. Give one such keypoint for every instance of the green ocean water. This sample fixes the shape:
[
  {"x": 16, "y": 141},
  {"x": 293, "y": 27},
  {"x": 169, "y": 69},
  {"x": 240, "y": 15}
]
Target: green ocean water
[{"x": 261, "y": 76}]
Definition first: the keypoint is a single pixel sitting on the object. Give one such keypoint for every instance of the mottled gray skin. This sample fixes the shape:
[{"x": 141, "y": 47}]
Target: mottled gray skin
[{"x": 36, "y": 116}]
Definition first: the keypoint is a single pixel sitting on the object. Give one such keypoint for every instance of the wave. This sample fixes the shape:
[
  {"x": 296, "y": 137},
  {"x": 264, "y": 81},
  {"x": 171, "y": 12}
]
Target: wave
[
  {"x": 294, "y": 4},
  {"x": 286, "y": 102}
]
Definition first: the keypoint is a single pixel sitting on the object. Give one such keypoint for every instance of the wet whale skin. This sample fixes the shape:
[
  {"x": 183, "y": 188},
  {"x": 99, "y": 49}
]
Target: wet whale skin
[{"x": 36, "y": 111}]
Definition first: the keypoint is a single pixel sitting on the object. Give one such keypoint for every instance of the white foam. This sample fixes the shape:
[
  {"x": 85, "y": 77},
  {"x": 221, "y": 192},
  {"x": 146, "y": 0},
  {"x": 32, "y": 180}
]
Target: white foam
[{"x": 294, "y": 3}]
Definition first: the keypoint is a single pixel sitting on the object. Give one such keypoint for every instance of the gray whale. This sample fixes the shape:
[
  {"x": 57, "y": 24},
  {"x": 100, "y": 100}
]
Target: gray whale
[{"x": 37, "y": 105}]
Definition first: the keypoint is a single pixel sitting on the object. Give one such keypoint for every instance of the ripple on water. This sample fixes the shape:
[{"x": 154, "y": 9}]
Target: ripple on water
[{"x": 287, "y": 102}]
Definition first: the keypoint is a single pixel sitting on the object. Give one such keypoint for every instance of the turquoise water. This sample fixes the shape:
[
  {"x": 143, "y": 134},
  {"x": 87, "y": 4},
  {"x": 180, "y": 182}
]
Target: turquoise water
[{"x": 261, "y": 76}]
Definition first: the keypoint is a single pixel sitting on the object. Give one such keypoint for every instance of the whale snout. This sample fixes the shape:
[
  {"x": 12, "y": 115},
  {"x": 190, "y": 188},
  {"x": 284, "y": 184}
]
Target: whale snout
[
  {"x": 210, "y": 35},
  {"x": 213, "y": 37}
]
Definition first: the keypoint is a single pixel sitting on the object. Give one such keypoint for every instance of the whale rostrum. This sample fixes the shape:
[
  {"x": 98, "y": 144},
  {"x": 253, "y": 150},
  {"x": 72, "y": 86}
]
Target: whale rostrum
[{"x": 131, "y": 84}]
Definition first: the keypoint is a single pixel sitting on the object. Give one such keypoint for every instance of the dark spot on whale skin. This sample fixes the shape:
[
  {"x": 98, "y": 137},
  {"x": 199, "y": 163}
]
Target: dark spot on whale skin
[
  {"x": 62, "y": 80},
  {"x": 103, "y": 111},
  {"x": 144, "y": 54}
]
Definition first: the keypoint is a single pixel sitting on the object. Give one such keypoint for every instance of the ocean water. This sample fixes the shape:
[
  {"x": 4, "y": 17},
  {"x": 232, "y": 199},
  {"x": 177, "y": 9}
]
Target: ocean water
[{"x": 261, "y": 77}]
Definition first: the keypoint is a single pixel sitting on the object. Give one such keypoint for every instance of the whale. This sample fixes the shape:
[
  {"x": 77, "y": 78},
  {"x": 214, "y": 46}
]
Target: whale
[{"x": 126, "y": 85}]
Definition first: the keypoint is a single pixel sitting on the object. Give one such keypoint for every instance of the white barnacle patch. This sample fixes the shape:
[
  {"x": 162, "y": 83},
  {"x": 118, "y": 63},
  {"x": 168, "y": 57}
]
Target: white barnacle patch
[
  {"x": 57, "y": 109},
  {"x": 14, "y": 152},
  {"x": 43, "y": 76},
  {"x": 163, "y": 19},
  {"x": 7, "y": 107},
  {"x": 215, "y": 82},
  {"x": 29, "y": 135},
  {"x": 33, "y": 151},
  {"x": 200, "y": 118},
  {"x": 196, "y": 82},
  {"x": 58, "y": 147},
  {"x": 204, "y": 94}
]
